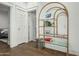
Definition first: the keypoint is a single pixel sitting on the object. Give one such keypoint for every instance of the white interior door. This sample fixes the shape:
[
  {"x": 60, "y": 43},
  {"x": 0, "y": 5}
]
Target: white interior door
[{"x": 20, "y": 19}]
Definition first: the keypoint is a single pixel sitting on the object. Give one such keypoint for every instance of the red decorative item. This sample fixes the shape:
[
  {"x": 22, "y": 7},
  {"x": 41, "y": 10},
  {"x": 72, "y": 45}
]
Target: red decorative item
[{"x": 48, "y": 39}]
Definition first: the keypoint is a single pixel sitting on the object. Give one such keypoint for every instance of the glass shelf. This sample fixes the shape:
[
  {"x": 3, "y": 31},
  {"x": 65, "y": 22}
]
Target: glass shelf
[
  {"x": 55, "y": 44},
  {"x": 47, "y": 19},
  {"x": 47, "y": 26},
  {"x": 47, "y": 35},
  {"x": 56, "y": 36}
]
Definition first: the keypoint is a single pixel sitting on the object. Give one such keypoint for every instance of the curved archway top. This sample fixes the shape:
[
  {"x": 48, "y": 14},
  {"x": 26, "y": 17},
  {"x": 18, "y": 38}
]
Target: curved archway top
[
  {"x": 62, "y": 7},
  {"x": 55, "y": 8},
  {"x": 58, "y": 10}
]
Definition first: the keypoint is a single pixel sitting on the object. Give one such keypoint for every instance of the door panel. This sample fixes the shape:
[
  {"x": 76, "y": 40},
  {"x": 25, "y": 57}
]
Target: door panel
[{"x": 20, "y": 19}]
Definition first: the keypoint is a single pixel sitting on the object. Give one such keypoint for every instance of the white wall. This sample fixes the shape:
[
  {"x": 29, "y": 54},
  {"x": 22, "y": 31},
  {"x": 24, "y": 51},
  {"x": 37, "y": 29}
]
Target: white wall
[
  {"x": 32, "y": 5},
  {"x": 4, "y": 19},
  {"x": 73, "y": 25},
  {"x": 19, "y": 4}
]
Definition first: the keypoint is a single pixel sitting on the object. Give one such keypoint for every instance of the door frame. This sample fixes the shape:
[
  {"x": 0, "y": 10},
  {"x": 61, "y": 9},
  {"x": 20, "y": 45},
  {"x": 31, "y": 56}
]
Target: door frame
[
  {"x": 30, "y": 10},
  {"x": 10, "y": 18}
]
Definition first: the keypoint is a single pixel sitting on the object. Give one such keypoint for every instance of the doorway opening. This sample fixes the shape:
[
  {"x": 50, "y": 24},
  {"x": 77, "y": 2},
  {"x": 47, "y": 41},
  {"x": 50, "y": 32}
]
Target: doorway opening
[
  {"x": 4, "y": 28},
  {"x": 32, "y": 25}
]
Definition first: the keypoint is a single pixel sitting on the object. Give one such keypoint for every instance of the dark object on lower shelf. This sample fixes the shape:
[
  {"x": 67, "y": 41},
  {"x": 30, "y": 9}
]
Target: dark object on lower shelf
[{"x": 40, "y": 43}]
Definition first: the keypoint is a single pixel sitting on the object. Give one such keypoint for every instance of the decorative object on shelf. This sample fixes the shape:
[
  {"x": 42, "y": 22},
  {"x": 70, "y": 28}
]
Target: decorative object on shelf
[
  {"x": 47, "y": 39},
  {"x": 48, "y": 15},
  {"x": 41, "y": 43},
  {"x": 47, "y": 23},
  {"x": 47, "y": 32}
]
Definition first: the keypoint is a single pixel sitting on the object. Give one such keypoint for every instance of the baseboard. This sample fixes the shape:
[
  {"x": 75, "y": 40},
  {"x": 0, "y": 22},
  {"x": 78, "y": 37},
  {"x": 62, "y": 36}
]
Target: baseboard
[
  {"x": 74, "y": 52},
  {"x": 55, "y": 47},
  {"x": 14, "y": 45}
]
